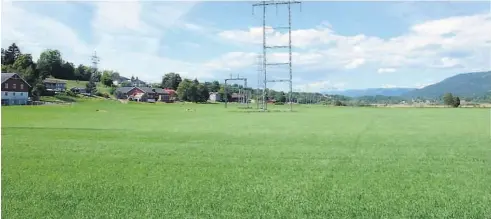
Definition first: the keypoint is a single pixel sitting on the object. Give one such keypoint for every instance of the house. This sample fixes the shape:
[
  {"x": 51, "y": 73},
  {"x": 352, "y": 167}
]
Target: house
[
  {"x": 15, "y": 90},
  {"x": 138, "y": 83},
  {"x": 235, "y": 97},
  {"x": 78, "y": 90},
  {"x": 117, "y": 79},
  {"x": 144, "y": 94},
  {"x": 53, "y": 84},
  {"x": 214, "y": 97}
]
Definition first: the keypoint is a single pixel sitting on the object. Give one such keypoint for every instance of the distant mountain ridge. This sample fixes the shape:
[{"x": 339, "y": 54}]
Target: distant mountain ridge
[
  {"x": 463, "y": 85},
  {"x": 371, "y": 92}
]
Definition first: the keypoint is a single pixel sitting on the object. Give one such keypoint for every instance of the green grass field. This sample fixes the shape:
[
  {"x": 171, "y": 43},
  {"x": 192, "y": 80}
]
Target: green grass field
[{"x": 161, "y": 161}]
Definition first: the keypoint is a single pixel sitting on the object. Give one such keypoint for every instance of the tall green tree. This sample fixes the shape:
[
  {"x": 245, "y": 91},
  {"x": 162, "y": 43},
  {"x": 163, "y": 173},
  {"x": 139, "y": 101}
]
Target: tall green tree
[
  {"x": 184, "y": 90},
  {"x": 215, "y": 86},
  {"x": 171, "y": 81},
  {"x": 10, "y": 54},
  {"x": 24, "y": 61},
  {"x": 456, "y": 102},
  {"x": 68, "y": 71},
  {"x": 203, "y": 93},
  {"x": 107, "y": 78},
  {"x": 91, "y": 86},
  {"x": 82, "y": 73},
  {"x": 280, "y": 97},
  {"x": 50, "y": 63},
  {"x": 448, "y": 99}
]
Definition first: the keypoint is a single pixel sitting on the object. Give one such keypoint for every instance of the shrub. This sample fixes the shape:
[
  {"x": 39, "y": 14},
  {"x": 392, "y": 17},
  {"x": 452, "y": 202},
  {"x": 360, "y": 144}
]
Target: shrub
[
  {"x": 112, "y": 90},
  {"x": 456, "y": 102},
  {"x": 71, "y": 93},
  {"x": 48, "y": 93},
  {"x": 98, "y": 93},
  {"x": 105, "y": 95},
  {"x": 339, "y": 103},
  {"x": 279, "y": 103}
]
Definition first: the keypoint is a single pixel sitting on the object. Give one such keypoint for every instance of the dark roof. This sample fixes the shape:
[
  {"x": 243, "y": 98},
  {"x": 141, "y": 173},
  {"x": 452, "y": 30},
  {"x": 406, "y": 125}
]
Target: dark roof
[
  {"x": 124, "y": 89},
  {"x": 236, "y": 95},
  {"x": 153, "y": 90},
  {"x": 6, "y": 76},
  {"x": 144, "y": 89}
]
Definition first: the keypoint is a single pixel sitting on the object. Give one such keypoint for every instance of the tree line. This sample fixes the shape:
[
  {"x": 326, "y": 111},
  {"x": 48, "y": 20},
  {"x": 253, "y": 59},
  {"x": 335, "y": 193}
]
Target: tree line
[{"x": 49, "y": 64}]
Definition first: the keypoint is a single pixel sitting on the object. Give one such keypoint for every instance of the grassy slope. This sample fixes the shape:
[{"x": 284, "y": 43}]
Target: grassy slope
[
  {"x": 160, "y": 161},
  {"x": 73, "y": 83}
]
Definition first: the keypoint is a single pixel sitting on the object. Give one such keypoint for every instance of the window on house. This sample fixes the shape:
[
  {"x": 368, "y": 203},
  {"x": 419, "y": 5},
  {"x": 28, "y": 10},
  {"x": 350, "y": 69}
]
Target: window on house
[
  {"x": 6, "y": 85},
  {"x": 13, "y": 94},
  {"x": 22, "y": 94},
  {"x": 6, "y": 93},
  {"x": 21, "y": 86},
  {"x": 14, "y": 86}
]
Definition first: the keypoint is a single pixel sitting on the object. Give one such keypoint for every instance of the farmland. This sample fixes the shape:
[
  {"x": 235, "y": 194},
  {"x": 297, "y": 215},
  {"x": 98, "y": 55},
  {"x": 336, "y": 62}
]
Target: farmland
[{"x": 103, "y": 159}]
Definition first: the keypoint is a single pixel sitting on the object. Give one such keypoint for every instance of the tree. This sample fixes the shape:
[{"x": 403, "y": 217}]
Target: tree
[
  {"x": 184, "y": 90},
  {"x": 50, "y": 63},
  {"x": 193, "y": 94},
  {"x": 82, "y": 73},
  {"x": 68, "y": 71},
  {"x": 171, "y": 81},
  {"x": 221, "y": 92},
  {"x": 456, "y": 102},
  {"x": 91, "y": 87},
  {"x": 125, "y": 84},
  {"x": 280, "y": 97},
  {"x": 10, "y": 55},
  {"x": 24, "y": 61},
  {"x": 203, "y": 93},
  {"x": 215, "y": 86},
  {"x": 106, "y": 78},
  {"x": 449, "y": 100}
]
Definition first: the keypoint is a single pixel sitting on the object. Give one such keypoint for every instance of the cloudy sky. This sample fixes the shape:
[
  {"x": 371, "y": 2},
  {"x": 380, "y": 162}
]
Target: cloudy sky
[{"x": 337, "y": 45}]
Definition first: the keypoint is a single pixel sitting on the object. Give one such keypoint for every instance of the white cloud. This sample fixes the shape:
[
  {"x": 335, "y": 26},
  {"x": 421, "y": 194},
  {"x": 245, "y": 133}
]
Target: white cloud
[
  {"x": 355, "y": 63},
  {"x": 124, "y": 34},
  {"x": 421, "y": 47},
  {"x": 386, "y": 70}
]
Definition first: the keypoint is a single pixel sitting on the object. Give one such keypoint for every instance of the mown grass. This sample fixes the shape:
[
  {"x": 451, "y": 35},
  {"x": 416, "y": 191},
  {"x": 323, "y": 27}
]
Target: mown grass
[
  {"x": 100, "y": 159},
  {"x": 81, "y": 84}
]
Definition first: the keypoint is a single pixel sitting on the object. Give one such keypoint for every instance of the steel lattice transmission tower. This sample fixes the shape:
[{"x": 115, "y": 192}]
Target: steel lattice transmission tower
[
  {"x": 259, "y": 63},
  {"x": 95, "y": 60},
  {"x": 266, "y": 47}
]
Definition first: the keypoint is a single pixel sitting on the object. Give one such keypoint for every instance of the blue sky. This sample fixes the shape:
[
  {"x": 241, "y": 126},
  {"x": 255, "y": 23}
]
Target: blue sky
[{"x": 337, "y": 45}]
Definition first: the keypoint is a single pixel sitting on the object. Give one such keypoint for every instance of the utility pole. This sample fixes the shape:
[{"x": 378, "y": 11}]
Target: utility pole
[{"x": 245, "y": 86}]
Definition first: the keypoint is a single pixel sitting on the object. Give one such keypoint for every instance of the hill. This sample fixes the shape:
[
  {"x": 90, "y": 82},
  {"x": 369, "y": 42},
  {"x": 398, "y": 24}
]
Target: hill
[
  {"x": 464, "y": 85},
  {"x": 372, "y": 92}
]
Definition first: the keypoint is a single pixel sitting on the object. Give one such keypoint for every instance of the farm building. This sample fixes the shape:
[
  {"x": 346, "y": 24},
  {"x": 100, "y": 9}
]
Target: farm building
[
  {"x": 144, "y": 94},
  {"x": 53, "y": 84},
  {"x": 15, "y": 90},
  {"x": 214, "y": 97},
  {"x": 235, "y": 97}
]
